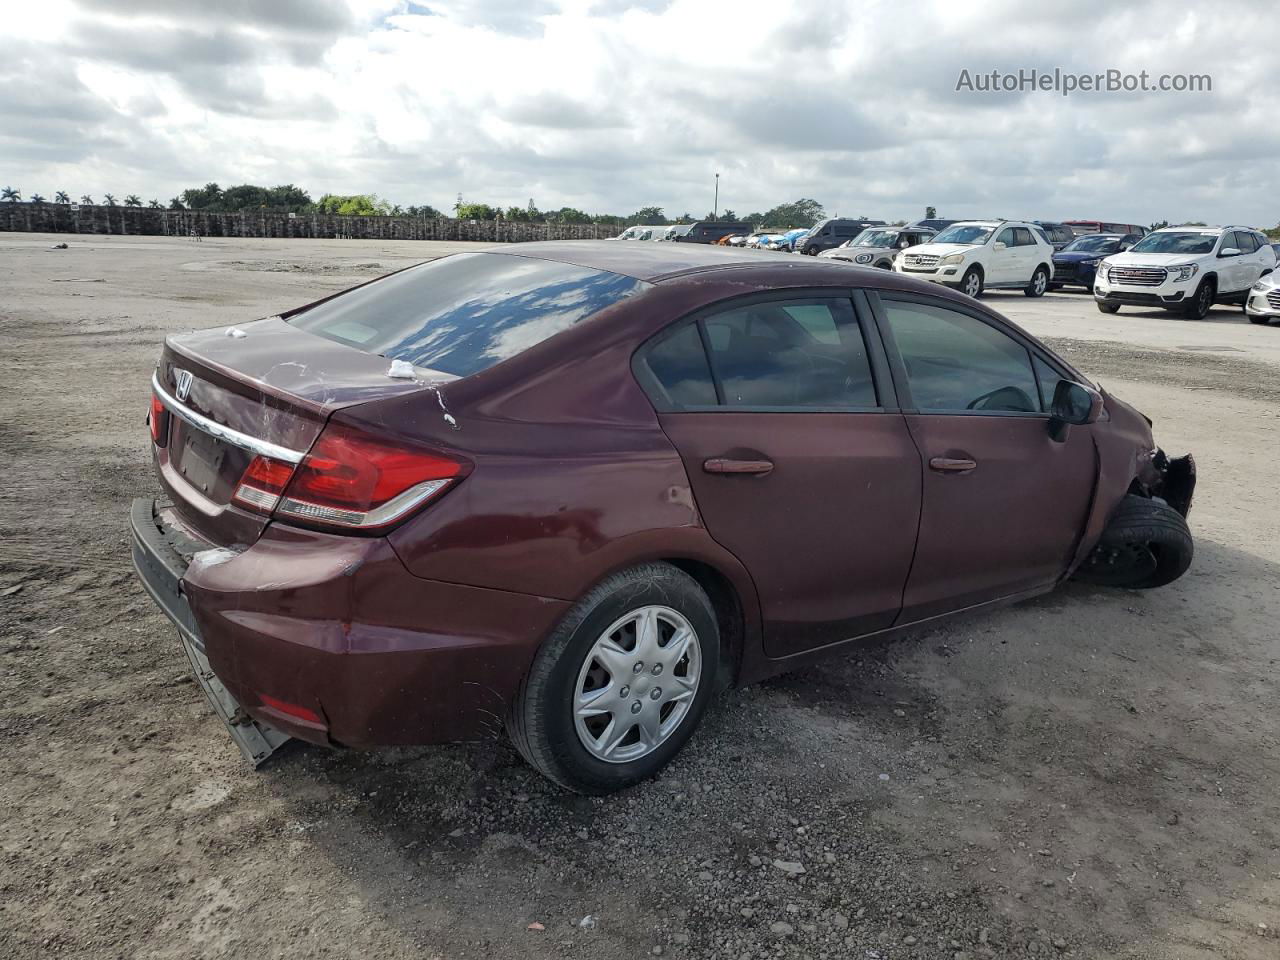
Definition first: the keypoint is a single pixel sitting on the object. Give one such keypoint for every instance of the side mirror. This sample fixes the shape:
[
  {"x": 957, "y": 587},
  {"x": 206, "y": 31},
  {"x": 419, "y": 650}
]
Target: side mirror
[
  {"x": 1125, "y": 246},
  {"x": 1073, "y": 403},
  {"x": 1230, "y": 252},
  {"x": 1000, "y": 245}
]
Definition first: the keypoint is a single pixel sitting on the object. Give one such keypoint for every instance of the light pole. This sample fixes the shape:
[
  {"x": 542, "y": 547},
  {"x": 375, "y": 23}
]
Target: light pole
[{"x": 715, "y": 210}]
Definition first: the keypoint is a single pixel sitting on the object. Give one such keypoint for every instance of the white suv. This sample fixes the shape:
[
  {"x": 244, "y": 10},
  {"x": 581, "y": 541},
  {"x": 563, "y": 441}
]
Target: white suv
[
  {"x": 977, "y": 255},
  {"x": 1185, "y": 269}
]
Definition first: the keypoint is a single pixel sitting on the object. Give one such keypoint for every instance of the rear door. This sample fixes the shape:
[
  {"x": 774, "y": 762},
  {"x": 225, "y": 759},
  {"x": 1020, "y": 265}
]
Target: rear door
[
  {"x": 800, "y": 463},
  {"x": 1003, "y": 503}
]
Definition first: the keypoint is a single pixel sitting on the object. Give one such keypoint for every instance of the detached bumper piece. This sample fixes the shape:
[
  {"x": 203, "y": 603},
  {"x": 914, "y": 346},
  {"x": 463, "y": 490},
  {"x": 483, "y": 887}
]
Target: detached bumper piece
[
  {"x": 161, "y": 566},
  {"x": 1179, "y": 481}
]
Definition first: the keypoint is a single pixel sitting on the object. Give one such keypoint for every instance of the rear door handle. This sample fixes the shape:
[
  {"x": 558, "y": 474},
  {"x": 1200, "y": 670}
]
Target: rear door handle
[
  {"x": 725, "y": 465},
  {"x": 952, "y": 465}
]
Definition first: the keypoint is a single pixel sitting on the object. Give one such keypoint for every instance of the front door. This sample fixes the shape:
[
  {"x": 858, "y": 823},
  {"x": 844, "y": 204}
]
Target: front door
[
  {"x": 797, "y": 465},
  {"x": 1003, "y": 262},
  {"x": 1003, "y": 503}
]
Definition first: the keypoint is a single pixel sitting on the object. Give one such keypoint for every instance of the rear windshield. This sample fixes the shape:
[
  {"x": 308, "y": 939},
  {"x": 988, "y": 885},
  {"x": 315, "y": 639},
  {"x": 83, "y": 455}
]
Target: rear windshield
[{"x": 463, "y": 313}]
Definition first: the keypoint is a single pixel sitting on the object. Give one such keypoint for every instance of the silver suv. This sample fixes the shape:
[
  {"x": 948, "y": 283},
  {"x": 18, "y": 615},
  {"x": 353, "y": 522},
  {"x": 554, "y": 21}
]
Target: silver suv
[{"x": 877, "y": 246}]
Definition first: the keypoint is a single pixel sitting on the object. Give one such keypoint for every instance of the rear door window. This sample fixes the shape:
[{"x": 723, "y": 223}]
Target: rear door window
[
  {"x": 791, "y": 354},
  {"x": 679, "y": 365},
  {"x": 773, "y": 355},
  {"x": 460, "y": 314}
]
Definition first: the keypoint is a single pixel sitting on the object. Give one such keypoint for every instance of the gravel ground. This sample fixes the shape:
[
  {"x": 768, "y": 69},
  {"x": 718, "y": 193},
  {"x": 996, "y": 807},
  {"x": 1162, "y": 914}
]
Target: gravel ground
[{"x": 1092, "y": 774}]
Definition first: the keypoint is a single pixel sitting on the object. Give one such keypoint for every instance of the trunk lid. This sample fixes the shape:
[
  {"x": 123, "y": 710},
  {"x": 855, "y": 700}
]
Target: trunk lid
[{"x": 266, "y": 386}]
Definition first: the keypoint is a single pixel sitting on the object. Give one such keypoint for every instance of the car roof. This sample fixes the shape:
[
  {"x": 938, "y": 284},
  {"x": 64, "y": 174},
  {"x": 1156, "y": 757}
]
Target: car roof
[
  {"x": 649, "y": 263},
  {"x": 658, "y": 262}
]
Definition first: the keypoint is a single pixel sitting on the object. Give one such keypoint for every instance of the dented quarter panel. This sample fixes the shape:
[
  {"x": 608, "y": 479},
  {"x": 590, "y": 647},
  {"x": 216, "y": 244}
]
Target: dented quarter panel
[{"x": 338, "y": 625}]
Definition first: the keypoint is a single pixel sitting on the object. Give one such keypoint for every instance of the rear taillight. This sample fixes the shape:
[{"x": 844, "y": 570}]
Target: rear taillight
[
  {"x": 350, "y": 480},
  {"x": 262, "y": 483},
  {"x": 159, "y": 421}
]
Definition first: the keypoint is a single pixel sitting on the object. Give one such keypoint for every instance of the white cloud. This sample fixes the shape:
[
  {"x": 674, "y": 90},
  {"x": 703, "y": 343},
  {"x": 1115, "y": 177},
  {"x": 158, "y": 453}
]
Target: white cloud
[{"x": 609, "y": 105}]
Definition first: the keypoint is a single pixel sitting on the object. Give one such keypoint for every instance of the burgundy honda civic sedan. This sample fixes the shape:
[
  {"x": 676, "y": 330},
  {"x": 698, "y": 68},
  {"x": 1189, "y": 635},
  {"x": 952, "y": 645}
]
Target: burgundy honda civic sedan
[{"x": 572, "y": 489}]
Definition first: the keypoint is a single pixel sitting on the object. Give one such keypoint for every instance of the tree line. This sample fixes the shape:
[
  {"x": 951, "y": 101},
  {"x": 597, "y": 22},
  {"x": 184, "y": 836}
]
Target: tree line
[{"x": 288, "y": 198}]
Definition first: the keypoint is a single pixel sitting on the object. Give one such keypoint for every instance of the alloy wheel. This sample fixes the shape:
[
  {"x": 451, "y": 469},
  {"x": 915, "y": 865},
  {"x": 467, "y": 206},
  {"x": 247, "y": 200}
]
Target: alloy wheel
[
  {"x": 972, "y": 283},
  {"x": 637, "y": 684}
]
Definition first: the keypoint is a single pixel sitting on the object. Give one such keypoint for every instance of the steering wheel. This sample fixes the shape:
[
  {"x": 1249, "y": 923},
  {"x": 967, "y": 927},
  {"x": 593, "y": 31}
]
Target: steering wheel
[{"x": 1009, "y": 398}]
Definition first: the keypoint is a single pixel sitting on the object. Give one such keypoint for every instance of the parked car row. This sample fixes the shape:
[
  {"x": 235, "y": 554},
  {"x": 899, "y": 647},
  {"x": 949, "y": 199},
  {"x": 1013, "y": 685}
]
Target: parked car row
[{"x": 1182, "y": 269}]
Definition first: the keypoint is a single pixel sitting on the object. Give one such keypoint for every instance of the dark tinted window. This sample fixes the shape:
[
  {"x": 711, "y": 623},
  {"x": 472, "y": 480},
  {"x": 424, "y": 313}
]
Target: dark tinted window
[
  {"x": 1245, "y": 242},
  {"x": 464, "y": 313},
  {"x": 1007, "y": 237},
  {"x": 955, "y": 362},
  {"x": 846, "y": 230},
  {"x": 791, "y": 354},
  {"x": 1048, "y": 379},
  {"x": 1024, "y": 238},
  {"x": 679, "y": 364}
]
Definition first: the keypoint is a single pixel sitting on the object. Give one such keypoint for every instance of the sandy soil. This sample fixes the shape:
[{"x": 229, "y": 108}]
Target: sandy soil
[{"x": 1093, "y": 774}]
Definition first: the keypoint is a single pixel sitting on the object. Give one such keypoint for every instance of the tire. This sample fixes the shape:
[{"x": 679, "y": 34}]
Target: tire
[
  {"x": 542, "y": 720},
  {"x": 971, "y": 283},
  {"x": 885, "y": 265},
  {"x": 1146, "y": 544},
  {"x": 1107, "y": 307},
  {"x": 1039, "y": 283},
  {"x": 811, "y": 251},
  {"x": 1201, "y": 302}
]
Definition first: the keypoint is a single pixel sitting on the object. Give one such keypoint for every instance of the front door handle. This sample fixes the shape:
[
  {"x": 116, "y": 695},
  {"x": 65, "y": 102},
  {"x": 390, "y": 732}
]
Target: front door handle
[
  {"x": 952, "y": 465},
  {"x": 726, "y": 465}
]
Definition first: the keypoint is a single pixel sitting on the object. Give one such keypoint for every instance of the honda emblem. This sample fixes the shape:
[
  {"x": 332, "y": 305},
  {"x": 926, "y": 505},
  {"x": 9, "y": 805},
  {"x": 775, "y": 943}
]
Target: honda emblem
[{"x": 182, "y": 381}]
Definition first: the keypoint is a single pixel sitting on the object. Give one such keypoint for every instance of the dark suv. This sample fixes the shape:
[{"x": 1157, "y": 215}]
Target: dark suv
[
  {"x": 1058, "y": 234},
  {"x": 707, "y": 231},
  {"x": 831, "y": 233}
]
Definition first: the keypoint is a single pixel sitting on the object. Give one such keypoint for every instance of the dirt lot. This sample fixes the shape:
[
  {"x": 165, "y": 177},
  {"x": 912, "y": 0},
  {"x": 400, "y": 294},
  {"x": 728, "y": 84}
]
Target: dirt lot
[{"x": 1094, "y": 774}]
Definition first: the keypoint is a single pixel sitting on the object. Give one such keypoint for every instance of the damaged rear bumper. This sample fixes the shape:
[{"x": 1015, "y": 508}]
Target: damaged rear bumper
[
  {"x": 160, "y": 568},
  {"x": 335, "y": 630}
]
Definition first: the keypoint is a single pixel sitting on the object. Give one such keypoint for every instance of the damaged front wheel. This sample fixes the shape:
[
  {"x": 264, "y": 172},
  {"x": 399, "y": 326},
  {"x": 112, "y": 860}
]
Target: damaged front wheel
[{"x": 1146, "y": 544}]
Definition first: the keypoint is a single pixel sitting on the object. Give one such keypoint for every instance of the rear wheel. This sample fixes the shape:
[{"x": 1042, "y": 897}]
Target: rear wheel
[
  {"x": 1039, "y": 283},
  {"x": 1108, "y": 307},
  {"x": 619, "y": 687},
  {"x": 972, "y": 282},
  {"x": 1146, "y": 544}
]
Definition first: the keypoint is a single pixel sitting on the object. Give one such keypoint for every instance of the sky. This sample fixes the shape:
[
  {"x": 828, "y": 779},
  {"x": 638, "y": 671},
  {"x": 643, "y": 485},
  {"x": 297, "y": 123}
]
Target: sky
[{"x": 611, "y": 105}]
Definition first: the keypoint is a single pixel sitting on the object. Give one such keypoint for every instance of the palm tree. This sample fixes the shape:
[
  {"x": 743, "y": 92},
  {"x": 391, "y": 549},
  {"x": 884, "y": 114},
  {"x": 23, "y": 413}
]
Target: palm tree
[
  {"x": 154, "y": 205},
  {"x": 87, "y": 200},
  {"x": 61, "y": 197},
  {"x": 132, "y": 200},
  {"x": 10, "y": 194},
  {"x": 36, "y": 198},
  {"x": 109, "y": 199}
]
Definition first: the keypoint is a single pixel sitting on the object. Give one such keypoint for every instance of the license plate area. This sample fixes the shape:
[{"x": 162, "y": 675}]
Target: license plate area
[{"x": 202, "y": 460}]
